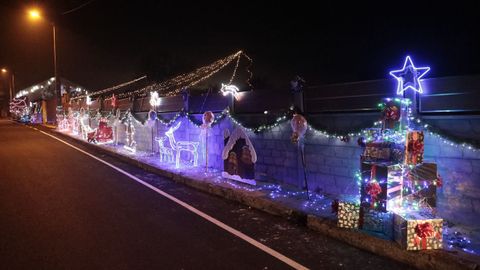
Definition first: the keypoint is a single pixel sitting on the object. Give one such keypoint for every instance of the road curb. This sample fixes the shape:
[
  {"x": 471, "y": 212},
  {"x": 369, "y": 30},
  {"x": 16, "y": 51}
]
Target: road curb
[{"x": 427, "y": 259}]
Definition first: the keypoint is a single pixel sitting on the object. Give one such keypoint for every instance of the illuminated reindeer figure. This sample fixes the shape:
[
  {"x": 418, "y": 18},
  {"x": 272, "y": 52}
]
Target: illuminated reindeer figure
[
  {"x": 180, "y": 146},
  {"x": 166, "y": 154},
  {"x": 229, "y": 89}
]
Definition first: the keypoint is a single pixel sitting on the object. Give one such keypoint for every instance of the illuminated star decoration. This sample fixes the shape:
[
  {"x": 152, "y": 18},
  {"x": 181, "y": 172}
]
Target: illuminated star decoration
[
  {"x": 409, "y": 77},
  {"x": 229, "y": 89}
]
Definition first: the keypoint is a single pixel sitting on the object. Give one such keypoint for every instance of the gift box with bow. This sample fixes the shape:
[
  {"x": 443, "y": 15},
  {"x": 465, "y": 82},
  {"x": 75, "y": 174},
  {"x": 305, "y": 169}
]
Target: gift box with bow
[
  {"x": 414, "y": 147},
  {"x": 348, "y": 214},
  {"x": 417, "y": 231},
  {"x": 381, "y": 184}
]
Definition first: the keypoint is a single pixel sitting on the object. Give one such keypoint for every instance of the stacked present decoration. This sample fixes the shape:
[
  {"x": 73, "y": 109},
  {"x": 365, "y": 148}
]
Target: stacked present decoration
[
  {"x": 348, "y": 215},
  {"x": 397, "y": 188}
]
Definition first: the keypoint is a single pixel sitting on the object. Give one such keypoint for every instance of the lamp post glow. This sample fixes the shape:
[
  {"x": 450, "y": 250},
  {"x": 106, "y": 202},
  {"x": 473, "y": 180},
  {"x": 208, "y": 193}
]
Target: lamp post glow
[
  {"x": 35, "y": 15},
  {"x": 11, "y": 82},
  {"x": 88, "y": 100}
]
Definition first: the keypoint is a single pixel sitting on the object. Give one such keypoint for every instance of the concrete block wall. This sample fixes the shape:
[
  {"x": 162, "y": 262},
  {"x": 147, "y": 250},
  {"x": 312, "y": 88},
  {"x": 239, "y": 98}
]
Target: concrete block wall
[
  {"x": 277, "y": 157},
  {"x": 459, "y": 197},
  {"x": 331, "y": 164},
  {"x": 144, "y": 135}
]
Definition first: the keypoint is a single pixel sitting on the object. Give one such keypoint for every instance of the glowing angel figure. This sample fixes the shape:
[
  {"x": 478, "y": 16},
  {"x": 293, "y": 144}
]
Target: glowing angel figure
[
  {"x": 89, "y": 100},
  {"x": 154, "y": 99},
  {"x": 229, "y": 89}
]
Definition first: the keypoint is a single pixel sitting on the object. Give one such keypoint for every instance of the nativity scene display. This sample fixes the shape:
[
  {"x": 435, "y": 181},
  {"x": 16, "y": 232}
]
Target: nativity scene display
[{"x": 239, "y": 157}]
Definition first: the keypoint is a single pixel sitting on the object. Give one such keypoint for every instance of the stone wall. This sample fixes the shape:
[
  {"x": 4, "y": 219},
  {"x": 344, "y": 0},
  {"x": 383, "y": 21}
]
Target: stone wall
[{"x": 459, "y": 198}]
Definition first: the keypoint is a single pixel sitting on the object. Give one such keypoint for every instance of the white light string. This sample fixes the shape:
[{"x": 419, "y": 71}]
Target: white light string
[{"x": 110, "y": 89}]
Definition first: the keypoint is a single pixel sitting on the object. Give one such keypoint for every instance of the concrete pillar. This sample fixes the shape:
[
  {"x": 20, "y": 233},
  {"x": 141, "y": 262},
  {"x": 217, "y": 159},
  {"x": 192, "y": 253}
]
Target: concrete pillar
[{"x": 44, "y": 111}]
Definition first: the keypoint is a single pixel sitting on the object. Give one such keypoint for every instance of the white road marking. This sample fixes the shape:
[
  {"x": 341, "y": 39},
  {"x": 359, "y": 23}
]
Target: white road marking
[{"x": 217, "y": 222}]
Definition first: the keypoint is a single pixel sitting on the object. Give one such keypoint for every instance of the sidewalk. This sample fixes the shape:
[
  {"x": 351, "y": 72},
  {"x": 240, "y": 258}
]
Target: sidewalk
[{"x": 290, "y": 204}]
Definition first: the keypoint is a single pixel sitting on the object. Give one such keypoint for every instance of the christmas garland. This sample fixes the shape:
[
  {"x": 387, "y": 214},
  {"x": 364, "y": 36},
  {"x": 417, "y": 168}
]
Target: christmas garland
[{"x": 447, "y": 139}]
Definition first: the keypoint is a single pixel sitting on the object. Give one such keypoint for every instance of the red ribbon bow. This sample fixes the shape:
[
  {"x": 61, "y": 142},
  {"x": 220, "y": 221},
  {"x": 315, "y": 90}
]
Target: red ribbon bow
[
  {"x": 373, "y": 189},
  {"x": 417, "y": 148},
  {"x": 423, "y": 232},
  {"x": 392, "y": 113}
]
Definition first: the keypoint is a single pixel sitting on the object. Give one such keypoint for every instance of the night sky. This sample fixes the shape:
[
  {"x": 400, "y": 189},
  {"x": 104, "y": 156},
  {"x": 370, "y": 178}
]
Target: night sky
[{"x": 109, "y": 42}]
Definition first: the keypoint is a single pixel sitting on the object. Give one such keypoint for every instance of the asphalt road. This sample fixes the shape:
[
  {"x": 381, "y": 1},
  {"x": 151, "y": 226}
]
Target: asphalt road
[{"x": 61, "y": 209}]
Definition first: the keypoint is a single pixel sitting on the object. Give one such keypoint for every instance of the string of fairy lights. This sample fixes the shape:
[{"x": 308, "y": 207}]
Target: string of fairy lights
[
  {"x": 234, "y": 71},
  {"x": 177, "y": 84},
  {"x": 110, "y": 89},
  {"x": 317, "y": 132},
  {"x": 250, "y": 74}
]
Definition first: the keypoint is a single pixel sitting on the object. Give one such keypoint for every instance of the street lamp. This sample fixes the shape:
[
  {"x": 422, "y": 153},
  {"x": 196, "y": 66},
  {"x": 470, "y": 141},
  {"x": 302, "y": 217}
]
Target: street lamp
[
  {"x": 35, "y": 15},
  {"x": 11, "y": 82}
]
